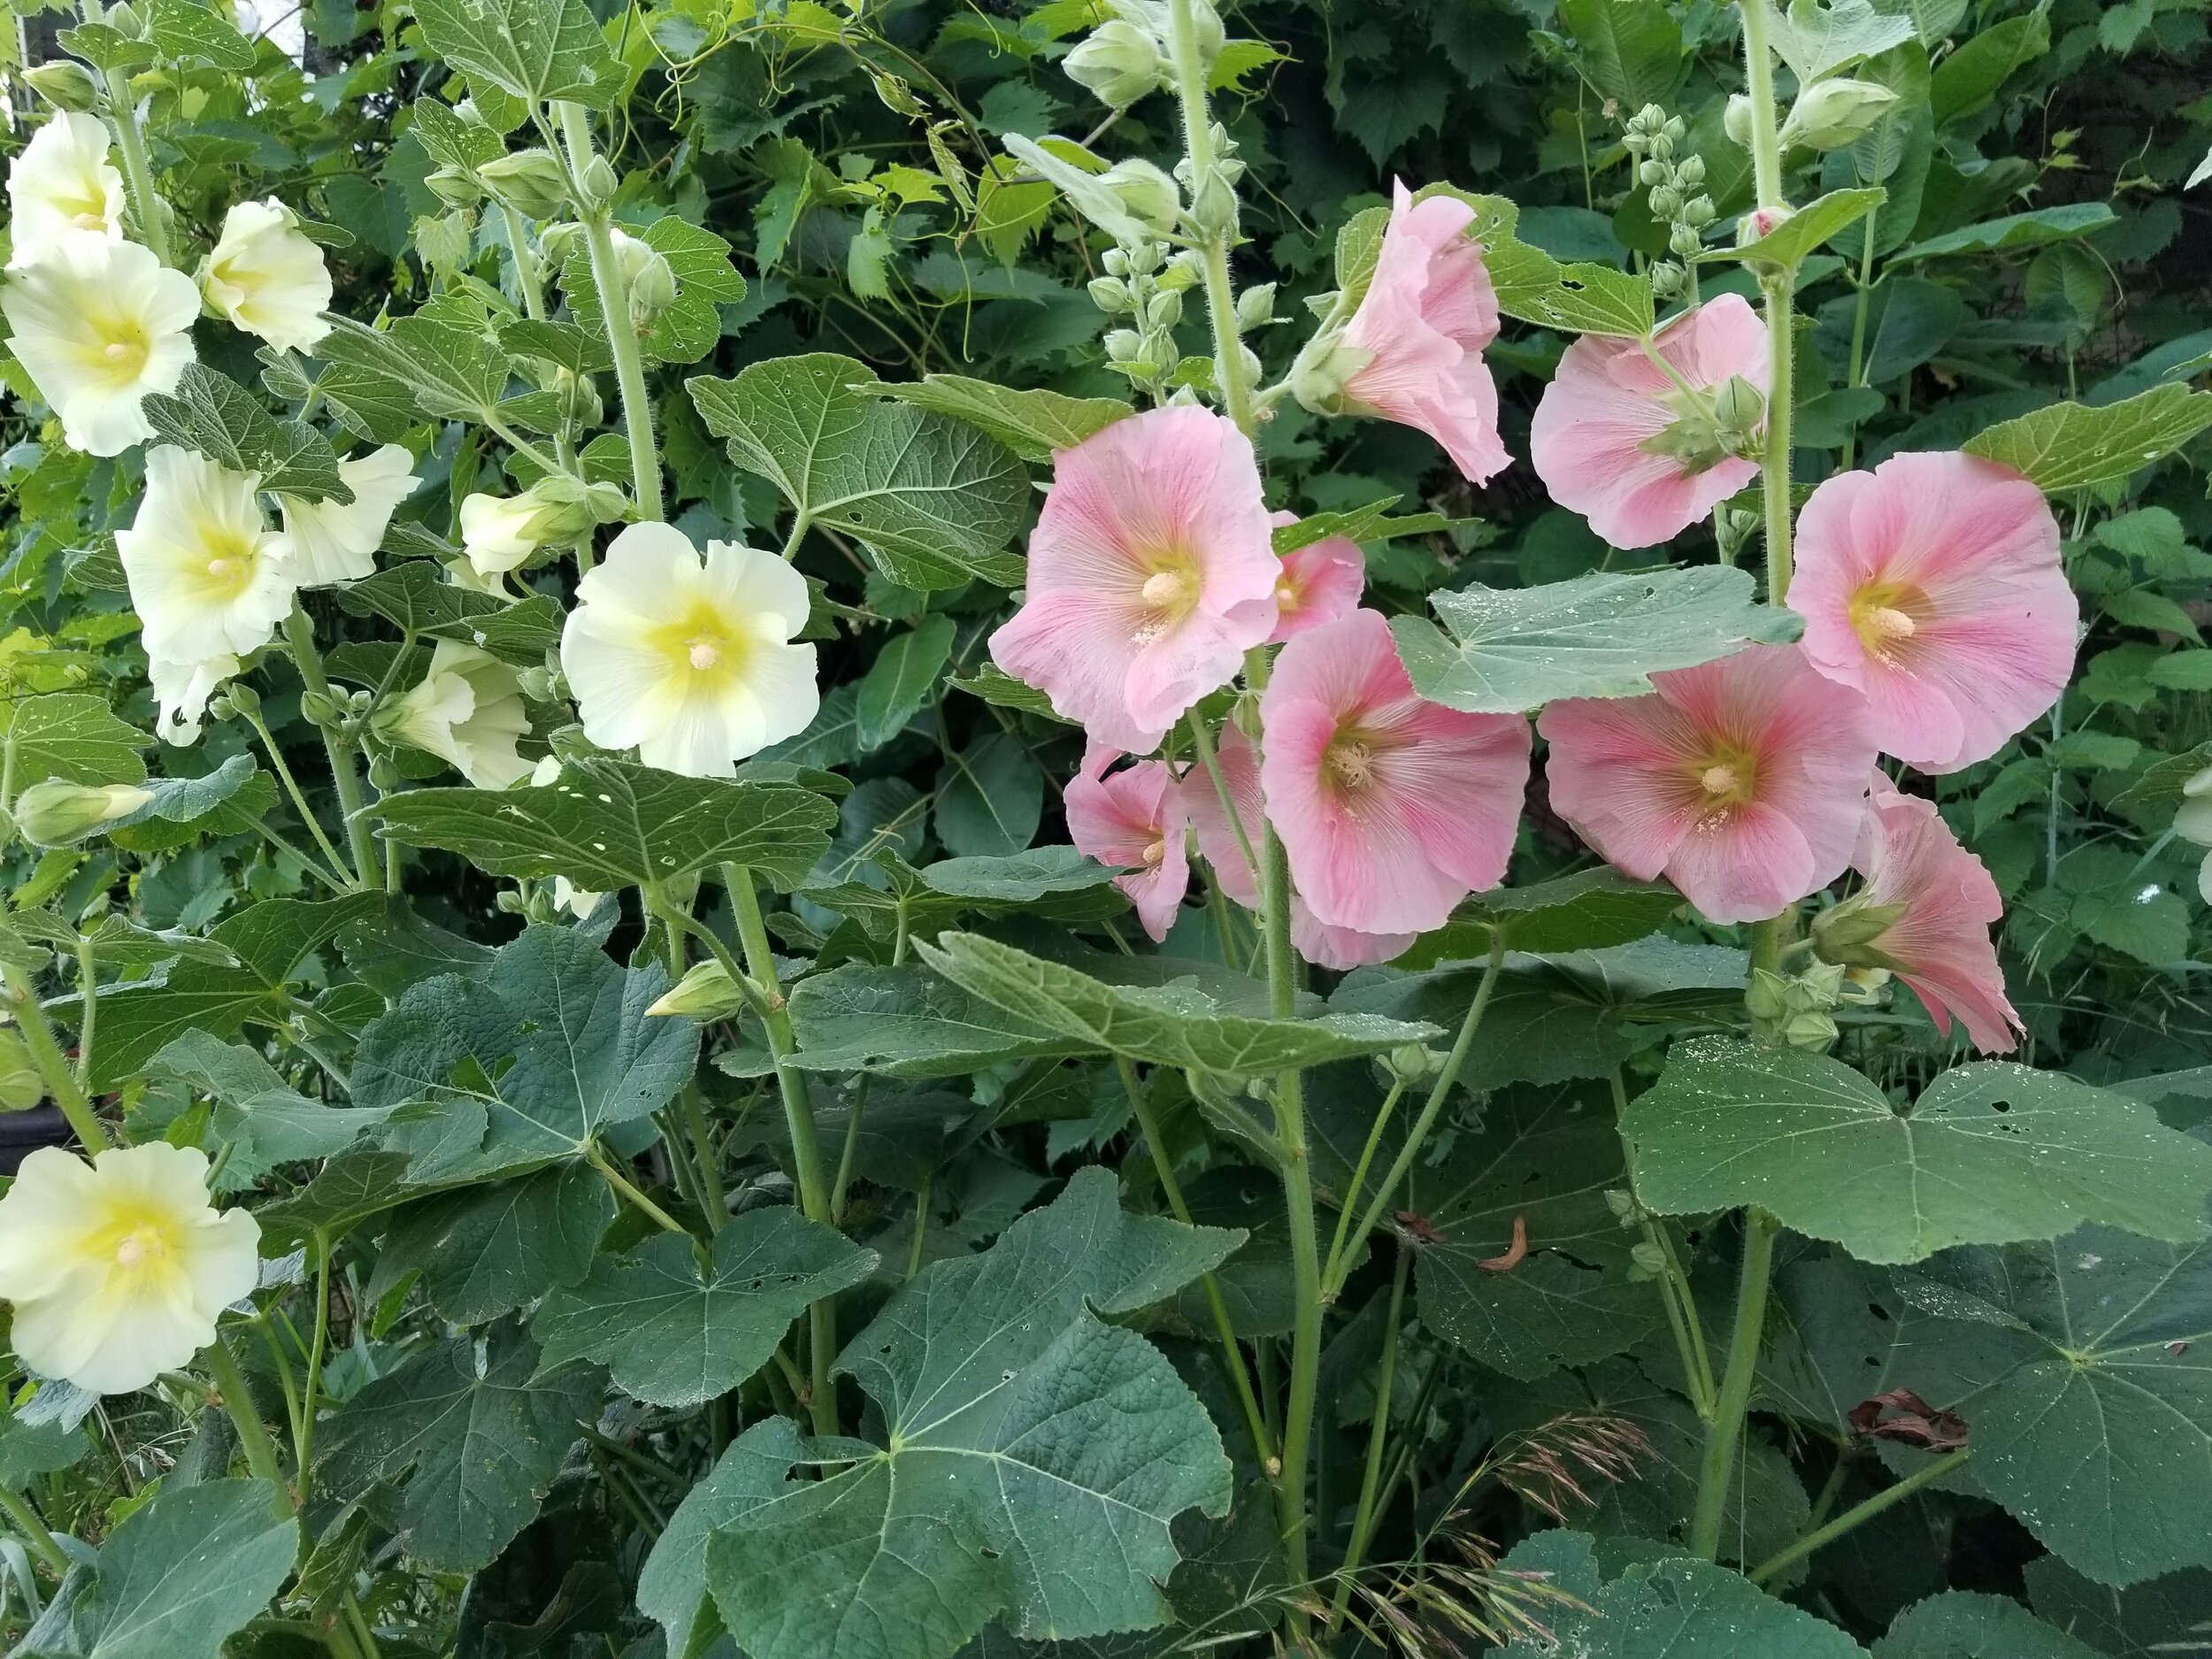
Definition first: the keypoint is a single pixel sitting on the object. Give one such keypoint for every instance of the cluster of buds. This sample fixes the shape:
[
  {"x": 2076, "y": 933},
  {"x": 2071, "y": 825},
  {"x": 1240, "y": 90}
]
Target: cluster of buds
[
  {"x": 1144, "y": 285},
  {"x": 1132, "y": 54},
  {"x": 1799, "y": 1008},
  {"x": 1677, "y": 197}
]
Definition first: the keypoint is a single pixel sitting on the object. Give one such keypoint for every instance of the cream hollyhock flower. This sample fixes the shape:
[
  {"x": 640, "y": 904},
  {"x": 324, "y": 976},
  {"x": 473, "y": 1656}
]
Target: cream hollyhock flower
[
  {"x": 468, "y": 712},
  {"x": 499, "y": 533},
  {"x": 267, "y": 277},
  {"x": 98, "y": 325},
  {"x": 689, "y": 660},
  {"x": 182, "y": 690},
  {"x": 208, "y": 578},
  {"x": 118, "y": 1269},
  {"x": 334, "y": 543},
  {"x": 61, "y": 188}
]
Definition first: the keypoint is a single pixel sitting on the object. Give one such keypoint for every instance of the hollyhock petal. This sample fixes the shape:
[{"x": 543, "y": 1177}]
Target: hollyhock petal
[
  {"x": 1151, "y": 572},
  {"x": 1135, "y": 818},
  {"x": 1419, "y": 331},
  {"x": 1320, "y": 583},
  {"x": 1337, "y": 948},
  {"x": 1742, "y": 780},
  {"x": 1608, "y": 398},
  {"x": 1229, "y": 857},
  {"x": 1940, "y": 944},
  {"x": 1391, "y": 810},
  {"x": 1934, "y": 584}
]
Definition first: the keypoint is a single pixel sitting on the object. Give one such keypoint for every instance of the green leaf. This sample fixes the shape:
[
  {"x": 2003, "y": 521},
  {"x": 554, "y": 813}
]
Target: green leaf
[
  {"x": 1370, "y": 523},
  {"x": 2015, "y": 230},
  {"x": 989, "y": 797},
  {"x": 1587, "y": 911},
  {"x": 906, "y": 1022},
  {"x": 1967, "y": 1624},
  {"x": 1789, "y": 244},
  {"x": 994, "y": 686},
  {"x": 605, "y": 823},
  {"x": 535, "y": 49},
  {"x": 105, "y": 46},
  {"x": 413, "y": 596},
  {"x": 1175, "y": 1025},
  {"x": 177, "y": 1577},
  {"x": 1630, "y": 50},
  {"x": 423, "y": 363},
  {"x": 28, "y": 1450},
  {"x": 2073, "y": 446},
  {"x": 676, "y": 1333},
  {"x": 672, "y": 1588},
  {"x": 269, "y": 942},
  {"x": 899, "y": 682},
  {"x": 1990, "y": 1153},
  {"x": 2145, "y": 1621},
  {"x": 460, "y": 1451},
  {"x": 486, "y": 1251},
  {"x": 1027, "y": 1438},
  {"x": 934, "y": 499},
  {"x": 71, "y": 735},
  {"x": 1590, "y": 299},
  {"x": 584, "y": 1055},
  {"x": 179, "y": 29},
  {"x": 261, "y": 1118},
  {"x": 1023, "y": 878},
  {"x": 1036, "y": 424},
  {"x": 352, "y": 1188},
  {"x": 1674, "y": 1609},
  {"x": 1968, "y": 79},
  {"x": 1600, "y": 635},
  {"x": 1817, "y": 39}
]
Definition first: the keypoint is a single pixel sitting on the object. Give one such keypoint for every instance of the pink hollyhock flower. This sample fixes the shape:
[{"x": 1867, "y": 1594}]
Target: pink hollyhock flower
[
  {"x": 1412, "y": 352},
  {"x": 1742, "y": 781},
  {"x": 1136, "y": 819},
  {"x": 1319, "y": 583},
  {"x": 1944, "y": 903},
  {"x": 1151, "y": 572},
  {"x": 1318, "y": 943},
  {"x": 1596, "y": 439},
  {"x": 1933, "y": 585},
  {"x": 1392, "y": 808}
]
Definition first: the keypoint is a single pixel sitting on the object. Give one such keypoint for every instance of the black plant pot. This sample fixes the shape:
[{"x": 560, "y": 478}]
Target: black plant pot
[{"x": 22, "y": 1133}]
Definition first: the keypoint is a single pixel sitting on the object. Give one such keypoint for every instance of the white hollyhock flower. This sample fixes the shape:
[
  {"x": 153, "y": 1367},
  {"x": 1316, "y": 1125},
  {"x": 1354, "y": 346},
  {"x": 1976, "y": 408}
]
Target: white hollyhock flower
[
  {"x": 689, "y": 661},
  {"x": 182, "y": 690},
  {"x": 467, "y": 711},
  {"x": 2193, "y": 823},
  {"x": 336, "y": 543},
  {"x": 499, "y": 533},
  {"x": 267, "y": 277},
  {"x": 208, "y": 578},
  {"x": 119, "y": 1268},
  {"x": 62, "y": 187},
  {"x": 98, "y": 325}
]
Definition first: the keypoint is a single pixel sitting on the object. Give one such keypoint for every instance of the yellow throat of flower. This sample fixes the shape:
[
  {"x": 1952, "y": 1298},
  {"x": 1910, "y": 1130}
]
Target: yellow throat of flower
[
  {"x": 1885, "y": 615},
  {"x": 138, "y": 1239},
  {"x": 705, "y": 649},
  {"x": 122, "y": 349},
  {"x": 1169, "y": 592},
  {"x": 1726, "y": 777},
  {"x": 230, "y": 562}
]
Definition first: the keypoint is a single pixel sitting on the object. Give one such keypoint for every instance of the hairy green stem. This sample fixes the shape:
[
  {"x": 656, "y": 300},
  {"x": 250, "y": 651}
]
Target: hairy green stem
[
  {"x": 624, "y": 1187},
  {"x": 36, "y": 1532},
  {"x": 1358, "y": 1183},
  {"x": 1378, "y": 1434},
  {"x": 299, "y": 636},
  {"x": 1888, "y": 1497},
  {"x": 1725, "y": 1430},
  {"x": 138, "y": 171},
  {"x": 1858, "y": 326},
  {"x": 1213, "y": 247},
  {"x": 303, "y": 1440},
  {"x": 614, "y": 305},
  {"x": 253, "y": 1434},
  {"x": 53, "y": 1065},
  {"x": 798, "y": 1112},
  {"x": 1766, "y": 134},
  {"x": 283, "y": 771}
]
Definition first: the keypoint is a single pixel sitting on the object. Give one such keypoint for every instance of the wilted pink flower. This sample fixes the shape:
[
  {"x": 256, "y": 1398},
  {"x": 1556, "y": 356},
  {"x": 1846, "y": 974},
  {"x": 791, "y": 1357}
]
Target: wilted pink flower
[
  {"x": 1742, "y": 781},
  {"x": 1597, "y": 439},
  {"x": 1933, "y": 585},
  {"x": 1391, "y": 808},
  {"x": 1239, "y": 761},
  {"x": 1134, "y": 818},
  {"x": 1412, "y": 352},
  {"x": 1151, "y": 572},
  {"x": 1320, "y": 582},
  {"x": 1946, "y": 903}
]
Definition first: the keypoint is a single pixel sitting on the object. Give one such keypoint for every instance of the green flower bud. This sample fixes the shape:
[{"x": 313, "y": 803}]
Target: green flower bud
[
  {"x": 1666, "y": 201},
  {"x": 1118, "y": 64},
  {"x": 1255, "y": 306},
  {"x": 1848, "y": 935},
  {"x": 56, "y": 812},
  {"x": 1166, "y": 308},
  {"x": 1684, "y": 242},
  {"x": 530, "y": 181},
  {"x": 1809, "y": 1031},
  {"x": 1831, "y": 114},
  {"x": 1736, "y": 121},
  {"x": 64, "y": 85},
  {"x": 1109, "y": 294},
  {"x": 1652, "y": 173},
  {"x": 455, "y": 188},
  {"x": 705, "y": 992},
  {"x": 1690, "y": 172},
  {"x": 1146, "y": 193}
]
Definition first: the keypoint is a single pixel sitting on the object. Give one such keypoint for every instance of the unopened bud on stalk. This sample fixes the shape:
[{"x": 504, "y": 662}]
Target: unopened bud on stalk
[
  {"x": 455, "y": 186},
  {"x": 1118, "y": 64},
  {"x": 530, "y": 181},
  {"x": 64, "y": 85},
  {"x": 1830, "y": 114},
  {"x": 1146, "y": 195},
  {"x": 1736, "y": 121},
  {"x": 54, "y": 813},
  {"x": 705, "y": 992},
  {"x": 1109, "y": 294},
  {"x": 1255, "y": 306},
  {"x": 648, "y": 276},
  {"x": 598, "y": 184}
]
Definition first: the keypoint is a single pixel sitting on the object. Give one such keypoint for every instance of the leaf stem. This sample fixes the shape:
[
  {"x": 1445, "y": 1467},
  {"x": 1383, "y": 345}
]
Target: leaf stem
[
  {"x": 53, "y": 1064},
  {"x": 253, "y": 1434},
  {"x": 299, "y": 800},
  {"x": 1725, "y": 1430},
  {"x": 299, "y": 635},
  {"x": 303, "y": 1441},
  {"x": 1888, "y": 1497},
  {"x": 1358, "y": 1183},
  {"x": 1778, "y": 285},
  {"x": 36, "y": 1532},
  {"x": 1377, "y": 1435},
  {"x": 614, "y": 305},
  {"x": 625, "y": 1187},
  {"x": 138, "y": 172}
]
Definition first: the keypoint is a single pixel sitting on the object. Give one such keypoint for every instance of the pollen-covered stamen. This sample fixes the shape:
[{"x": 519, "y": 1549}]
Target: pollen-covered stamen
[
  {"x": 704, "y": 654},
  {"x": 1719, "y": 780},
  {"x": 139, "y": 1246},
  {"x": 1882, "y": 616},
  {"x": 1155, "y": 853},
  {"x": 1171, "y": 590},
  {"x": 1351, "y": 763}
]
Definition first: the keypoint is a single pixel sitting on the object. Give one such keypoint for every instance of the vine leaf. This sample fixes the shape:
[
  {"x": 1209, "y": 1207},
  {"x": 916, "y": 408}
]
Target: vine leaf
[
  {"x": 1990, "y": 1153},
  {"x": 1037, "y": 1457}
]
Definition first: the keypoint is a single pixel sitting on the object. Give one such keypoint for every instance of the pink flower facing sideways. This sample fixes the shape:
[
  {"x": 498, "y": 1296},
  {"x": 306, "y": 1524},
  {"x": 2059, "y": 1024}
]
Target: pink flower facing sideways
[
  {"x": 1742, "y": 781},
  {"x": 1932, "y": 584},
  {"x": 1133, "y": 818},
  {"x": 1412, "y": 352},
  {"x": 1596, "y": 441},
  {"x": 1151, "y": 572},
  {"x": 1945, "y": 903},
  {"x": 1392, "y": 808},
  {"x": 1319, "y": 583},
  {"x": 1230, "y": 857}
]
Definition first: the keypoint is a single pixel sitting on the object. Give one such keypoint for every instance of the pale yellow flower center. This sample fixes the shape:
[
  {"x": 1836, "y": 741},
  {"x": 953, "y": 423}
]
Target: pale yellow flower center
[
  {"x": 706, "y": 650},
  {"x": 704, "y": 654},
  {"x": 1170, "y": 593},
  {"x": 91, "y": 219},
  {"x": 1726, "y": 777},
  {"x": 1155, "y": 853},
  {"x": 143, "y": 1244},
  {"x": 1883, "y": 616},
  {"x": 231, "y": 564},
  {"x": 1285, "y": 595},
  {"x": 124, "y": 346},
  {"x": 1351, "y": 763}
]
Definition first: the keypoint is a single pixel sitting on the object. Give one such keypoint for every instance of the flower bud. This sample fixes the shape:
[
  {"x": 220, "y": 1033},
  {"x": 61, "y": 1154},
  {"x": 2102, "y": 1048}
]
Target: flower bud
[
  {"x": 1124, "y": 345},
  {"x": 1808, "y": 1030},
  {"x": 1761, "y": 222},
  {"x": 1116, "y": 260},
  {"x": 1255, "y": 307},
  {"x": 1652, "y": 173},
  {"x": 1740, "y": 410},
  {"x": 530, "y": 181},
  {"x": 579, "y": 398},
  {"x": 647, "y": 275},
  {"x": 705, "y": 992},
  {"x": 1689, "y": 173},
  {"x": 1683, "y": 241},
  {"x": 1119, "y": 63},
  {"x": 1146, "y": 193},
  {"x": 1109, "y": 294},
  {"x": 125, "y": 20},
  {"x": 455, "y": 188},
  {"x": 1166, "y": 308},
  {"x": 1829, "y": 114},
  {"x": 54, "y": 813},
  {"x": 1735, "y": 122},
  {"x": 596, "y": 188},
  {"x": 560, "y": 241},
  {"x": 64, "y": 85},
  {"x": 1666, "y": 201},
  {"x": 1846, "y": 935},
  {"x": 1697, "y": 213}
]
